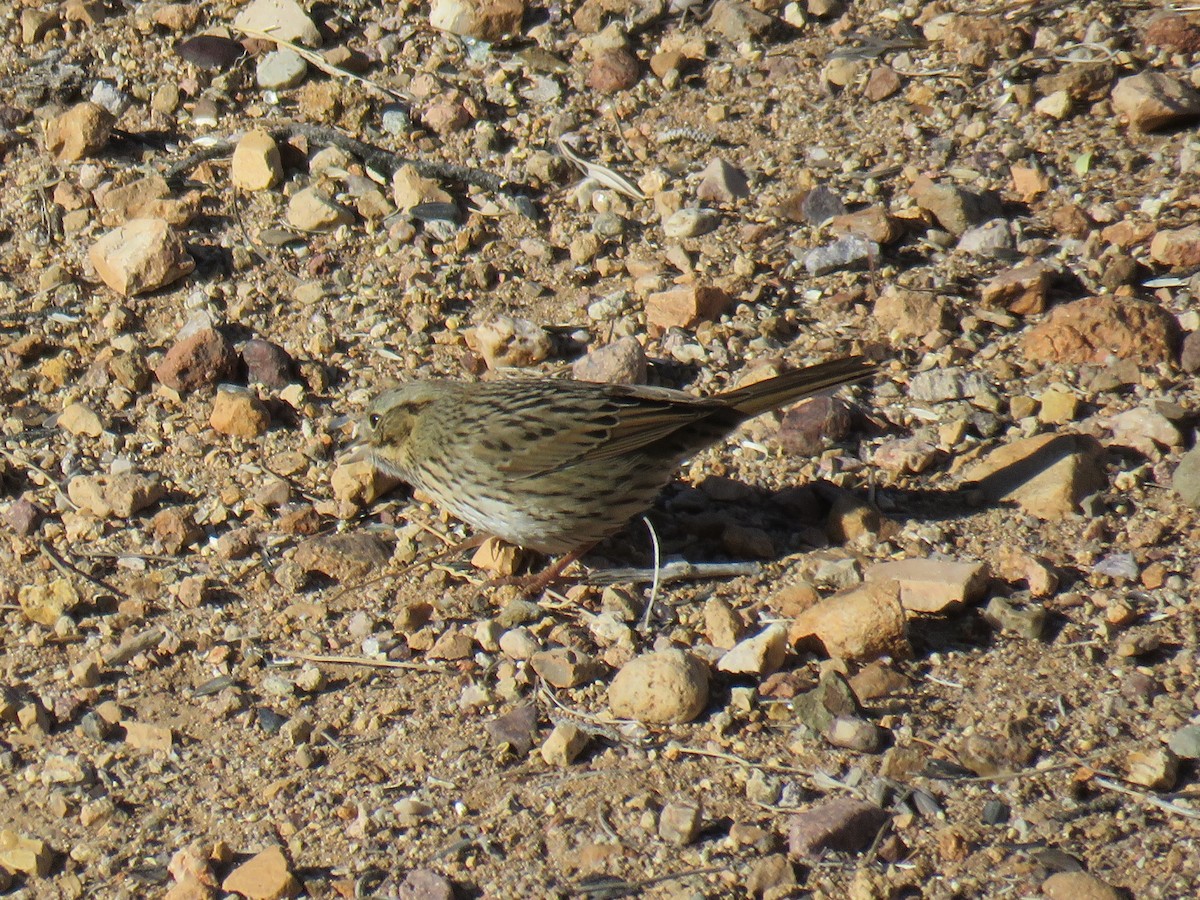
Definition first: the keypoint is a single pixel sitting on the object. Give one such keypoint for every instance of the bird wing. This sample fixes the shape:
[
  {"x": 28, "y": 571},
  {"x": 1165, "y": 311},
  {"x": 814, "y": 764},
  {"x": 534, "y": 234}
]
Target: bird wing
[{"x": 614, "y": 425}]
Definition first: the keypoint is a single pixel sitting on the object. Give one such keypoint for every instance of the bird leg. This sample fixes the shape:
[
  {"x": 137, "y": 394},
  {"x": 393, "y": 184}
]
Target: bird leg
[{"x": 532, "y": 585}]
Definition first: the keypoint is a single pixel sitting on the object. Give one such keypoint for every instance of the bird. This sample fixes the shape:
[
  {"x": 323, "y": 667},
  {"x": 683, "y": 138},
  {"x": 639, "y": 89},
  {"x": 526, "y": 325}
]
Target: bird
[{"x": 557, "y": 465}]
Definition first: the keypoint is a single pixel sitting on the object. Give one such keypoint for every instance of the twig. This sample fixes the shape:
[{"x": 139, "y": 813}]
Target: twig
[
  {"x": 676, "y": 570},
  {"x": 139, "y": 643},
  {"x": 648, "y": 614},
  {"x": 364, "y": 662},
  {"x": 1146, "y": 797},
  {"x": 71, "y": 570}
]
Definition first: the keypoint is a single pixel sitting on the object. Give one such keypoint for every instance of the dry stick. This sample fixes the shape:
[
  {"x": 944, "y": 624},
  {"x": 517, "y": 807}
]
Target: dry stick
[
  {"x": 73, "y": 571},
  {"x": 364, "y": 662},
  {"x": 1158, "y": 802}
]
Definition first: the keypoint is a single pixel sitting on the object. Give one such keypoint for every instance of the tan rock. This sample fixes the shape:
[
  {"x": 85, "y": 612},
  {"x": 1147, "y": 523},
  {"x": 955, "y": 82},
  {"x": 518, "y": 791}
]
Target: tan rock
[
  {"x": 484, "y": 20},
  {"x": 1047, "y": 475},
  {"x": 312, "y": 210},
  {"x": 140, "y": 256},
  {"x": 760, "y": 655},
  {"x": 146, "y": 198},
  {"x": 46, "y": 603},
  {"x": 282, "y": 19},
  {"x": 564, "y": 744},
  {"x": 256, "y": 164},
  {"x": 908, "y": 313},
  {"x": 1153, "y": 100},
  {"x": 862, "y": 623},
  {"x": 19, "y": 853},
  {"x": 665, "y": 687},
  {"x": 683, "y": 307},
  {"x": 932, "y": 585},
  {"x": 148, "y": 736},
  {"x": 1028, "y": 182},
  {"x": 265, "y": 876},
  {"x": 81, "y": 131},
  {"x": 1096, "y": 328},
  {"x": 1177, "y": 247},
  {"x": 79, "y": 418},
  {"x": 238, "y": 413},
  {"x": 1079, "y": 886},
  {"x": 1021, "y": 290},
  {"x": 873, "y": 223},
  {"x": 505, "y": 341},
  {"x": 359, "y": 482},
  {"x": 410, "y": 188}
]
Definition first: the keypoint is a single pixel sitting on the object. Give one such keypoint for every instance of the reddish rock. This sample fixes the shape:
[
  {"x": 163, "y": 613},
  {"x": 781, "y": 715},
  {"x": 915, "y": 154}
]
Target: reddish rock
[
  {"x": 1096, "y": 328},
  {"x": 1177, "y": 247},
  {"x": 1173, "y": 32},
  {"x": 808, "y": 427},
  {"x": 267, "y": 364},
  {"x": 842, "y": 824},
  {"x": 1021, "y": 290},
  {"x": 882, "y": 83},
  {"x": 23, "y": 517},
  {"x": 614, "y": 69},
  {"x": 1154, "y": 100},
  {"x": 202, "y": 358},
  {"x": 683, "y": 307},
  {"x": 977, "y": 40},
  {"x": 873, "y": 223}
]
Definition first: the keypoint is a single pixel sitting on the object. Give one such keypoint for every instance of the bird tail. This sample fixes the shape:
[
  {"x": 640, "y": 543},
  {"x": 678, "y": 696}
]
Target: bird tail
[{"x": 790, "y": 387}]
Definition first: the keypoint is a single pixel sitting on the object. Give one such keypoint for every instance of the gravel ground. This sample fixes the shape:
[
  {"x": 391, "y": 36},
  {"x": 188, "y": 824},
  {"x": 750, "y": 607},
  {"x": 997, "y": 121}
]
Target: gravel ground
[{"x": 233, "y": 661}]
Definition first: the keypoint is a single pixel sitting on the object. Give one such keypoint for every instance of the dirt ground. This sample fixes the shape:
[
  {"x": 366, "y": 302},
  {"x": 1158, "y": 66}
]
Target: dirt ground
[{"x": 191, "y": 670}]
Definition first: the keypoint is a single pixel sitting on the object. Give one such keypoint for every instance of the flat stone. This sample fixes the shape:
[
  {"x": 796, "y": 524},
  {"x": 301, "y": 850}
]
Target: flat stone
[
  {"x": 18, "y": 853},
  {"x": 908, "y": 313},
  {"x": 507, "y": 341},
  {"x": 311, "y": 209},
  {"x": 564, "y": 744},
  {"x": 683, "y": 307},
  {"x": 722, "y": 182},
  {"x": 284, "y": 19},
  {"x": 265, "y": 876},
  {"x": 517, "y": 728},
  {"x": 484, "y": 20},
  {"x": 623, "y": 361},
  {"x": 1177, "y": 247},
  {"x": 343, "y": 557},
  {"x": 844, "y": 825},
  {"x": 932, "y": 585},
  {"x": 202, "y": 358},
  {"x": 280, "y": 69},
  {"x": 1079, "y": 886},
  {"x": 83, "y": 130},
  {"x": 79, "y": 418},
  {"x": 1047, "y": 475},
  {"x": 1154, "y": 100},
  {"x": 1185, "y": 481},
  {"x": 1095, "y": 329},
  {"x": 1021, "y": 290},
  {"x": 760, "y": 655},
  {"x": 140, "y": 256},
  {"x": 679, "y": 823},
  {"x": 239, "y": 413}
]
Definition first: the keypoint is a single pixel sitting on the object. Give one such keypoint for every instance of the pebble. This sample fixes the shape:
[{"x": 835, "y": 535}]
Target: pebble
[
  {"x": 23, "y": 516},
  {"x": 722, "y": 625},
  {"x": 623, "y": 361},
  {"x": 566, "y": 741},
  {"x": 614, "y": 69},
  {"x": 148, "y": 736},
  {"x": 686, "y": 306},
  {"x": 267, "y": 364},
  {"x": 1079, "y": 886},
  {"x": 506, "y": 341},
  {"x": 739, "y": 22},
  {"x": 810, "y": 426},
  {"x": 311, "y": 210},
  {"x": 722, "y": 182},
  {"x": 484, "y": 20},
  {"x": 83, "y": 130},
  {"x": 1028, "y": 622},
  {"x": 282, "y": 19},
  {"x": 1145, "y": 430},
  {"x": 239, "y": 413},
  {"x": 280, "y": 70},
  {"x": 79, "y": 418},
  {"x": 690, "y": 222},
  {"x": 517, "y": 728},
  {"x": 265, "y": 876},
  {"x": 862, "y": 623},
  {"x": 772, "y": 875},
  {"x": 1185, "y": 742},
  {"x": 993, "y": 238},
  {"x": 844, "y": 825},
  {"x": 19, "y": 853},
  {"x": 197, "y": 360},
  {"x": 140, "y": 256},
  {"x": 932, "y": 585},
  {"x": 821, "y": 205},
  {"x": 847, "y": 252},
  {"x": 565, "y": 667},
  {"x": 679, "y": 823},
  {"x": 256, "y": 165},
  {"x": 942, "y": 385},
  {"x": 1047, "y": 475},
  {"x": 855, "y": 734},
  {"x": 663, "y": 687},
  {"x": 1155, "y": 100},
  {"x": 1094, "y": 329},
  {"x": 956, "y": 209},
  {"x": 1057, "y": 407},
  {"x": 342, "y": 557},
  {"x": 410, "y": 189},
  {"x": 426, "y": 884},
  {"x": 119, "y": 495},
  {"x": 1157, "y": 769},
  {"x": 908, "y": 313},
  {"x": 1185, "y": 480},
  {"x": 1177, "y": 247},
  {"x": 46, "y": 603},
  {"x": 760, "y": 655}
]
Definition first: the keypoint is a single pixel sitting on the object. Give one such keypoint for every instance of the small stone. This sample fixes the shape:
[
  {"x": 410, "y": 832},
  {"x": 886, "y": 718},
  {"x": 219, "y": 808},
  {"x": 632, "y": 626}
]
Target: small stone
[
  {"x": 565, "y": 667},
  {"x": 862, "y": 623},
  {"x": 47, "y": 603},
  {"x": 882, "y": 82},
  {"x": 426, "y": 884},
  {"x": 1145, "y": 430},
  {"x": 23, "y": 516},
  {"x": 484, "y": 20},
  {"x": 342, "y": 557},
  {"x": 564, "y": 744},
  {"x": 202, "y": 358},
  {"x": 664, "y": 687},
  {"x": 1028, "y": 622},
  {"x": 614, "y": 69},
  {"x": 821, "y": 205},
  {"x": 19, "y": 853},
  {"x": 679, "y": 823},
  {"x": 81, "y": 131},
  {"x": 147, "y": 736},
  {"x": 79, "y": 418},
  {"x": 279, "y": 19},
  {"x": 848, "y": 252},
  {"x": 809, "y": 427},
  {"x": 874, "y": 223},
  {"x": 1156, "y": 769},
  {"x": 1079, "y": 886},
  {"x": 906, "y": 455},
  {"x": 453, "y": 643},
  {"x": 1177, "y": 247},
  {"x": 1047, "y": 475},
  {"x": 1057, "y": 105},
  {"x": 280, "y": 70},
  {"x": 505, "y": 341},
  {"x": 498, "y": 557},
  {"x": 623, "y": 361},
  {"x": 853, "y": 733},
  {"x": 908, "y": 313},
  {"x": 1021, "y": 290},
  {"x": 1173, "y": 32},
  {"x": 360, "y": 483},
  {"x": 722, "y": 182},
  {"x": 956, "y": 208},
  {"x": 932, "y": 585},
  {"x": 127, "y": 493},
  {"x": 267, "y": 364},
  {"x": 739, "y": 22},
  {"x": 1154, "y": 100},
  {"x": 1185, "y": 481},
  {"x": 140, "y": 256},
  {"x": 1185, "y": 742},
  {"x": 993, "y": 238},
  {"x": 722, "y": 625},
  {"x": 1094, "y": 329},
  {"x": 686, "y": 306},
  {"x": 256, "y": 164},
  {"x": 844, "y": 825},
  {"x": 311, "y": 210},
  {"x": 771, "y": 876},
  {"x": 760, "y": 655},
  {"x": 265, "y": 876},
  {"x": 1057, "y": 407},
  {"x": 410, "y": 188},
  {"x": 239, "y": 413},
  {"x": 690, "y": 222},
  {"x": 517, "y": 728}
]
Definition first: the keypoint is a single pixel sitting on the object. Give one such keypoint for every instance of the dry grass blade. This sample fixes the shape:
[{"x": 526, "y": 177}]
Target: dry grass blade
[{"x": 603, "y": 174}]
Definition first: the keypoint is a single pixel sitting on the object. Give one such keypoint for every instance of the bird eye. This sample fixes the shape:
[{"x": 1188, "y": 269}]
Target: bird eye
[{"x": 374, "y": 419}]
